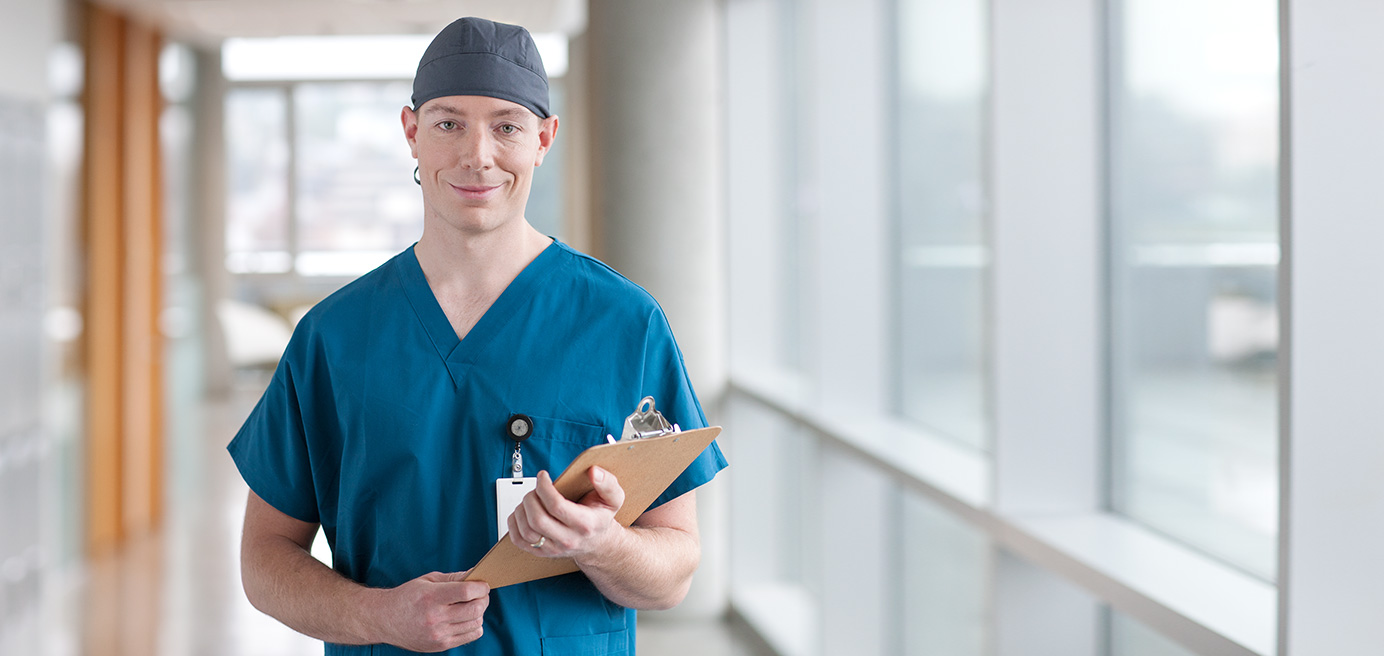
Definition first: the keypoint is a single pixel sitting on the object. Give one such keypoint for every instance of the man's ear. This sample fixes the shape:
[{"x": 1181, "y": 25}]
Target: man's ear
[
  {"x": 410, "y": 122},
  {"x": 547, "y": 132}
]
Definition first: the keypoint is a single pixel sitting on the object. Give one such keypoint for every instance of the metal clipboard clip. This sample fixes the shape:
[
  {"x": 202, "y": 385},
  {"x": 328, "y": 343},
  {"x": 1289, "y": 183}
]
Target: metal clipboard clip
[{"x": 647, "y": 422}]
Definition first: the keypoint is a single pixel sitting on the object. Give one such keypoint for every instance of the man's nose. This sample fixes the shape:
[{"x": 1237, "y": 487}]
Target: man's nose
[{"x": 478, "y": 151}]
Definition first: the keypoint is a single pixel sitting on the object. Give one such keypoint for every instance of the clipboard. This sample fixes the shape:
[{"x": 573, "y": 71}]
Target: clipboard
[{"x": 645, "y": 467}]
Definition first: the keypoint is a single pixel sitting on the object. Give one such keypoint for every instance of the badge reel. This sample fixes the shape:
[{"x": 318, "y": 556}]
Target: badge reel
[{"x": 509, "y": 492}]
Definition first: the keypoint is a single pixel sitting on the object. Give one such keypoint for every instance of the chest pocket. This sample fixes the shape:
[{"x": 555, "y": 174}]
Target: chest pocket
[
  {"x": 602, "y": 644},
  {"x": 555, "y": 443}
]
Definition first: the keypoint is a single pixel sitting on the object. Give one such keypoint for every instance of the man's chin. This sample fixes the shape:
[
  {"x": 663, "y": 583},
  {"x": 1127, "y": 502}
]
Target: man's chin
[{"x": 477, "y": 221}]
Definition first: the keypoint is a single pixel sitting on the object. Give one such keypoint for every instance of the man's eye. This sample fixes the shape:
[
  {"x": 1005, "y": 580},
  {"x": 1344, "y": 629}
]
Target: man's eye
[
  {"x": 508, "y": 129},
  {"x": 447, "y": 125}
]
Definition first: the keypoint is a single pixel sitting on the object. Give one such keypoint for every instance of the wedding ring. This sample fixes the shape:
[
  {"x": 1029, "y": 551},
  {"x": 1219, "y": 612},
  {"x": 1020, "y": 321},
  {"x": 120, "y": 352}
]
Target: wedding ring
[{"x": 539, "y": 543}]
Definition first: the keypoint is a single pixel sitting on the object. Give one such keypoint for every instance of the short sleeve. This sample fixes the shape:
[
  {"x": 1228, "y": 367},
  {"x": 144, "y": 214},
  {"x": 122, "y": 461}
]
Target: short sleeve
[
  {"x": 665, "y": 378},
  {"x": 271, "y": 448}
]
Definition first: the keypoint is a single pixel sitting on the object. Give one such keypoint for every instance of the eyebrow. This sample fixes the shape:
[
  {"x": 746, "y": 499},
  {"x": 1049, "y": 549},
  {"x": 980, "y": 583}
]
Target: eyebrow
[
  {"x": 440, "y": 109},
  {"x": 511, "y": 112}
]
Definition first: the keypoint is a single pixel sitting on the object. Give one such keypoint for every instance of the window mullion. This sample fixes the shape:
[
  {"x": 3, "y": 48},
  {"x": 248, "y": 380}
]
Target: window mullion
[{"x": 291, "y": 184}]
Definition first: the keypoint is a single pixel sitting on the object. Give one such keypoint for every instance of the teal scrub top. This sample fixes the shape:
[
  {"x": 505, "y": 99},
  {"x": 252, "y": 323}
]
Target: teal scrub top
[{"x": 385, "y": 428}]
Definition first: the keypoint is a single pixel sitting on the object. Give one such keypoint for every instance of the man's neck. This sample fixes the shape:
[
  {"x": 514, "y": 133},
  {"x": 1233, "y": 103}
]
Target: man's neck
[
  {"x": 473, "y": 262},
  {"x": 467, "y": 272}
]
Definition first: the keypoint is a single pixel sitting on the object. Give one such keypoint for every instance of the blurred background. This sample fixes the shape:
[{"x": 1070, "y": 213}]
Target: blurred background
[{"x": 1037, "y": 327}]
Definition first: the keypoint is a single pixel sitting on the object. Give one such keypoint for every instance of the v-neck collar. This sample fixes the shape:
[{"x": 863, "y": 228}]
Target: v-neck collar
[{"x": 459, "y": 354}]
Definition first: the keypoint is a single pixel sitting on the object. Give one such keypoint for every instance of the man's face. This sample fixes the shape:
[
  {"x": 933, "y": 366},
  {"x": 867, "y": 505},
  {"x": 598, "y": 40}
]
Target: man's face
[{"x": 476, "y": 157}]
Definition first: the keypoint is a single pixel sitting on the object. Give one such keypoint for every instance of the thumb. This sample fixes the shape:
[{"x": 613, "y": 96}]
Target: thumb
[{"x": 608, "y": 487}]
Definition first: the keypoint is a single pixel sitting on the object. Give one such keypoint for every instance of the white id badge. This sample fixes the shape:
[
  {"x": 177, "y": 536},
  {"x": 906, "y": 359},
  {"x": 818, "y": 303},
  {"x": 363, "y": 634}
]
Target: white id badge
[{"x": 509, "y": 493}]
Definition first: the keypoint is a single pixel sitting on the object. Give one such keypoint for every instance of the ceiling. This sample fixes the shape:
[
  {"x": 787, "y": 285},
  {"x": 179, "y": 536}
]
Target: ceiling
[{"x": 208, "y": 22}]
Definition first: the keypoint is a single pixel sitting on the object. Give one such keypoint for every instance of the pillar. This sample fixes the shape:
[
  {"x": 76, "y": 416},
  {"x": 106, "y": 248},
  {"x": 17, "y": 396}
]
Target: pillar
[
  {"x": 1332, "y": 499},
  {"x": 654, "y": 110}
]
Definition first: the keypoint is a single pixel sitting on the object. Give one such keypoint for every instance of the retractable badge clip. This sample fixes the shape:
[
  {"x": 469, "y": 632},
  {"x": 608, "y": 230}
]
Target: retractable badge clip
[{"x": 518, "y": 428}]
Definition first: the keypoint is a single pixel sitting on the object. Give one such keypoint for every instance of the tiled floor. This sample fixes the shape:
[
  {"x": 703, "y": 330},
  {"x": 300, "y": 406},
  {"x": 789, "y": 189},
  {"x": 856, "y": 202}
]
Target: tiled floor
[{"x": 178, "y": 592}]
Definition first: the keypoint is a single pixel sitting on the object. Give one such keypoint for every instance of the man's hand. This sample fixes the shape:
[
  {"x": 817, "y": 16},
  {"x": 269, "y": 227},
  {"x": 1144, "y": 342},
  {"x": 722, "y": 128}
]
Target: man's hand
[
  {"x": 568, "y": 529},
  {"x": 647, "y": 566},
  {"x": 434, "y": 612},
  {"x": 431, "y": 613}
]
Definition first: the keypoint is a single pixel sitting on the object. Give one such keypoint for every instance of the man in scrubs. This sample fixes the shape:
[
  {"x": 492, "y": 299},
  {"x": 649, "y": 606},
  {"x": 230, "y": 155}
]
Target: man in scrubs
[{"x": 389, "y": 419}]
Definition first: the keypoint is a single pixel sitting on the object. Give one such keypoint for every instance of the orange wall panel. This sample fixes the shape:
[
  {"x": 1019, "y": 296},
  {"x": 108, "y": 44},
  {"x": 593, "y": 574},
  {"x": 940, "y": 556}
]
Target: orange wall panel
[
  {"x": 122, "y": 229},
  {"x": 103, "y": 215}
]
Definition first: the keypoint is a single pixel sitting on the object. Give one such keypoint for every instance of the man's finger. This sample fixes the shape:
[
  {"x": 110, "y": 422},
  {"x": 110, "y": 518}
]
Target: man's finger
[
  {"x": 464, "y": 591},
  {"x": 519, "y": 529},
  {"x": 464, "y": 627},
  {"x": 553, "y": 502},
  {"x": 544, "y": 521},
  {"x": 452, "y": 576},
  {"x": 608, "y": 487}
]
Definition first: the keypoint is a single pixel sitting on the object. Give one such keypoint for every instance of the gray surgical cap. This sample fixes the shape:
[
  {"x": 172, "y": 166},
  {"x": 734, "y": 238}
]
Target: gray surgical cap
[{"x": 477, "y": 57}]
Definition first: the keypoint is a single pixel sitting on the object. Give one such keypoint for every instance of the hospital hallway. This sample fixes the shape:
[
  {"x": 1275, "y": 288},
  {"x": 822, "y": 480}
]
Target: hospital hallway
[
  {"x": 177, "y": 591},
  {"x": 1032, "y": 328}
]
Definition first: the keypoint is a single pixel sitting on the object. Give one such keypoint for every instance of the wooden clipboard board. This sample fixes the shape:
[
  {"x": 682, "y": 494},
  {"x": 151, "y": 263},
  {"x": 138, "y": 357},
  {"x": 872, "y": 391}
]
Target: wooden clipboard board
[{"x": 644, "y": 468}]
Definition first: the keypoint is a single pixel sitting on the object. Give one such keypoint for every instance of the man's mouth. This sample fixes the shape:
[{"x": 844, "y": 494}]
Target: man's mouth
[{"x": 476, "y": 192}]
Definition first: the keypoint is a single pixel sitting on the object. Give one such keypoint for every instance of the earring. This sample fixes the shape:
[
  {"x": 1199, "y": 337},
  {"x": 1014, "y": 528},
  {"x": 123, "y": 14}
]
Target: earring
[{"x": 416, "y": 177}]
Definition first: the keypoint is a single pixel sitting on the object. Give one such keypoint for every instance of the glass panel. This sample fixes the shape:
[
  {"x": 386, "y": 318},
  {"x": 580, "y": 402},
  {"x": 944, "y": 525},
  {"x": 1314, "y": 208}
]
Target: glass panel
[
  {"x": 774, "y": 560},
  {"x": 1131, "y": 638},
  {"x": 1194, "y": 258},
  {"x": 942, "y": 256},
  {"x": 769, "y": 526},
  {"x": 256, "y": 180},
  {"x": 946, "y": 582},
  {"x": 357, "y": 203},
  {"x": 796, "y": 190},
  {"x": 769, "y": 201}
]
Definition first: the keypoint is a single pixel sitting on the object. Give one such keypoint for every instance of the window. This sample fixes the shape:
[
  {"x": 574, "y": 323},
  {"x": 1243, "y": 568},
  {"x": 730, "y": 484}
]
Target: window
[
  {"x": 1194, "y": 256},
  {"x": 770, "y": 198},
  {"x": 795, "y": 190},
  {"x": 942, "y": 257},
  {"x": 355, "y": 200},
  {"x": 1130, "y": 638},
  {"x": 319, "y": 176},
  {"x": 945, "y": 582},
  {"x": 257, "y": 239},
  {"x": 775, "y": 554}
]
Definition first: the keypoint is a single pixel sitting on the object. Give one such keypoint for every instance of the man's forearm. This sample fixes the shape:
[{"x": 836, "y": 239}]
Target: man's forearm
[
  {"x": 644, "y": 567},
  {"x": 286, "y": 582}
]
